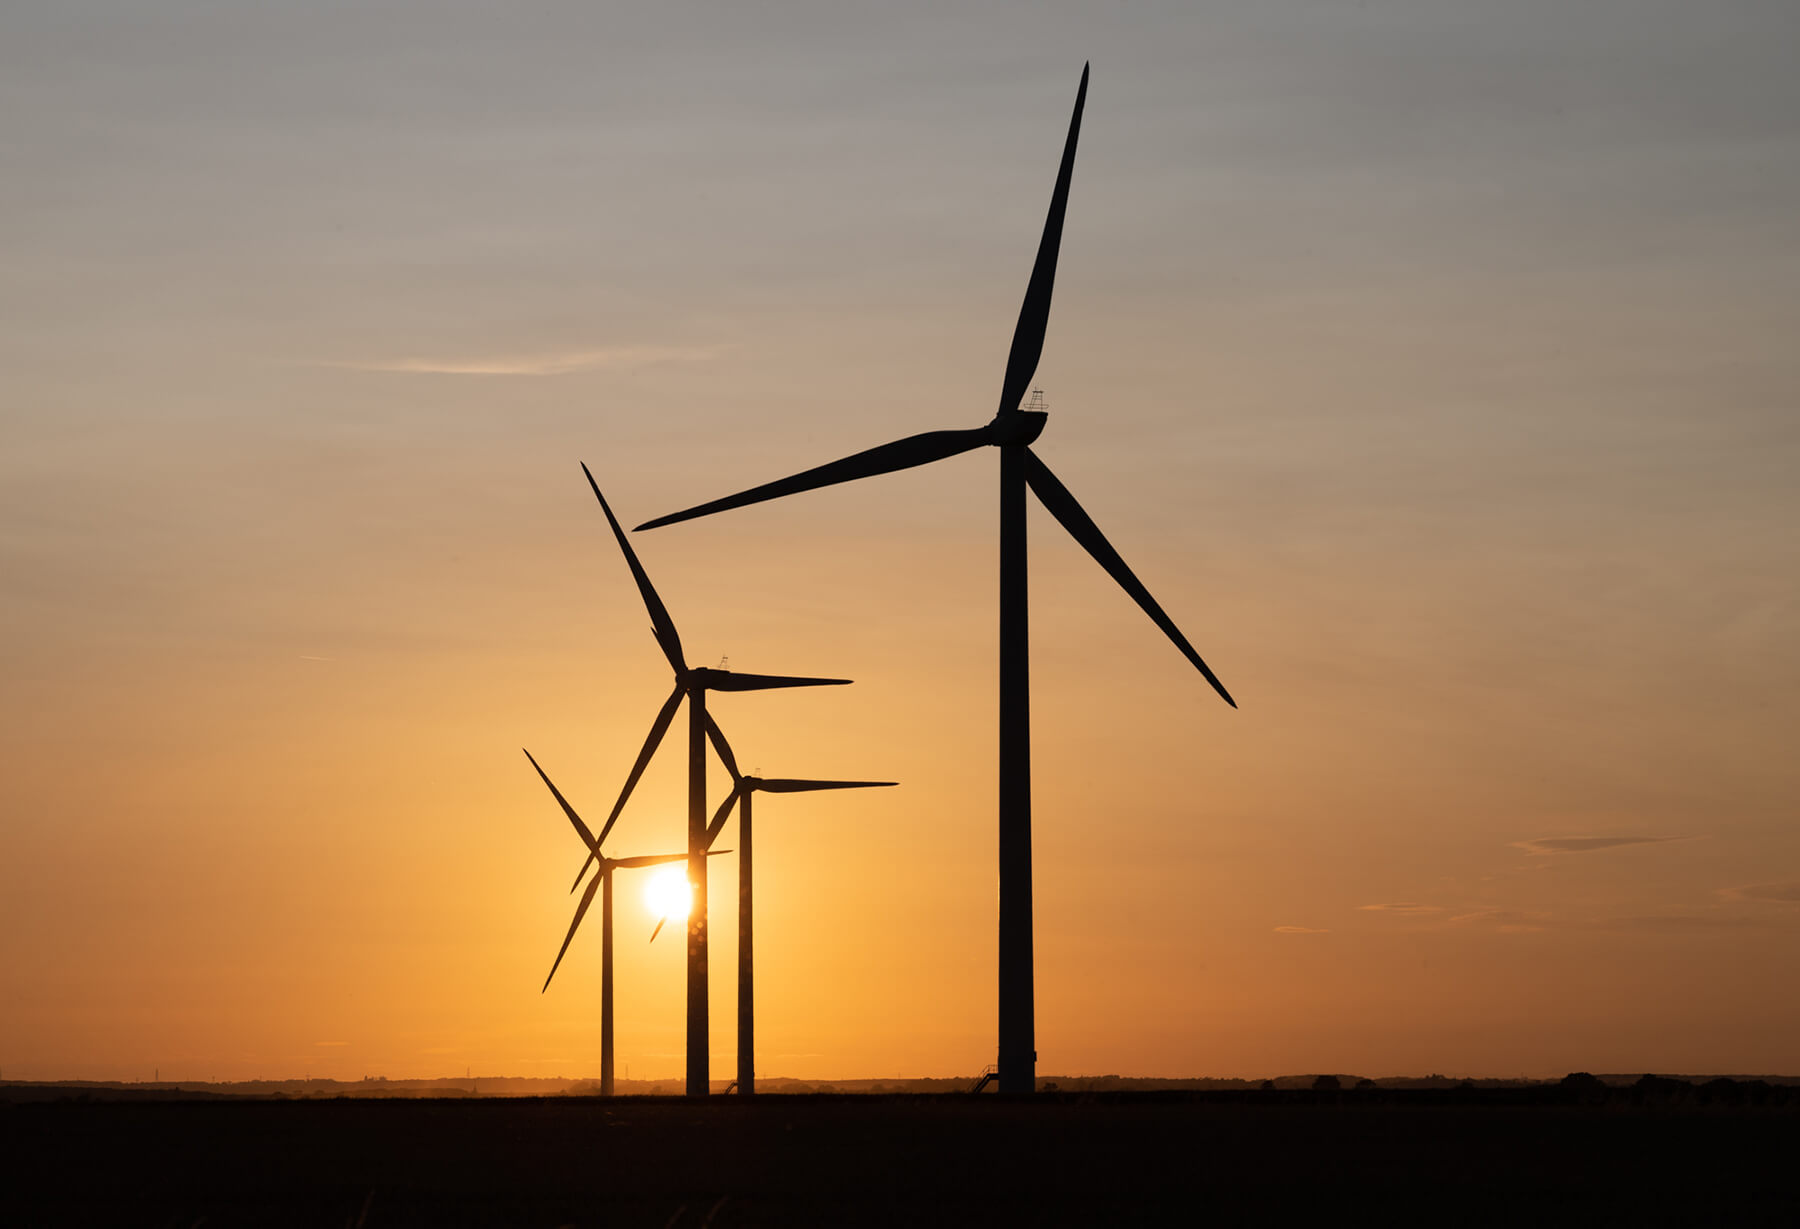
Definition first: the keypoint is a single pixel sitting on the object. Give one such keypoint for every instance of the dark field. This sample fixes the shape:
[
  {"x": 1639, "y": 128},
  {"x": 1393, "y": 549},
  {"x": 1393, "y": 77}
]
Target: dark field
[{"x": 1070, "y": 1159}]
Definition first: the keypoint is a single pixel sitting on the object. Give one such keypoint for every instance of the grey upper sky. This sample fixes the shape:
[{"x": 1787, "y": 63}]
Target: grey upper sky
[{"x": 1433, "y": 362}]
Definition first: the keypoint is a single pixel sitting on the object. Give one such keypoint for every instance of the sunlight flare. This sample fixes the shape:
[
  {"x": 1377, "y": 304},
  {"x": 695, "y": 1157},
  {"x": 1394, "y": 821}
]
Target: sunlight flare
[{"x": 668, "y": 893}]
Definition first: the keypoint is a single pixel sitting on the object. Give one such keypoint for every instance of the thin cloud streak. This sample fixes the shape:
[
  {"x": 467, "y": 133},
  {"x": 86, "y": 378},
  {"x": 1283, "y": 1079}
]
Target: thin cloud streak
[
  {"x": 1406, "y": 908},
  {"x": 1780, "y": 893},
  {"x": 563, "y": 363},
  {"x": 1681, "y": 921},
  {"x": 1502, "y": 921},
  {"x": 1299, "y": 930},
  {"x": 1588, "y": 844}
]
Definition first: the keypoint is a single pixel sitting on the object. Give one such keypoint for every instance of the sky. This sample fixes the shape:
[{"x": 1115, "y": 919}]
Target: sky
[{"x": 1431, "y": 362}]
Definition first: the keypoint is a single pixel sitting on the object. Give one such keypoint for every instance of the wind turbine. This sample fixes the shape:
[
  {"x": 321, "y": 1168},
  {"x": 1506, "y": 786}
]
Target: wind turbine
[
  {"x": 1012, "y": 431},
  {"x": 601, "y": 881},
  {"x": 693, "y": 683},
  {"x": 743, "y": 788}
]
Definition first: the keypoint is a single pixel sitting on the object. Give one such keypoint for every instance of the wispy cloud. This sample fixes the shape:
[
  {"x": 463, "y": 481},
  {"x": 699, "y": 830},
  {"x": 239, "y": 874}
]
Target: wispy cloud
[
  {"x": 331, "y": 1043},
  {"x": 551, "y": 364},
  {"x": 1405, "y": 907},
  {"x": 1299, "y": 930},
  {"x": 1680, "y": 921},
  {"x": 1503, "y": 921},
  {"x": 1781, "y": 893},
  {"x": 1512, "y": 922},
  {"x": 1587, "y": 844}
]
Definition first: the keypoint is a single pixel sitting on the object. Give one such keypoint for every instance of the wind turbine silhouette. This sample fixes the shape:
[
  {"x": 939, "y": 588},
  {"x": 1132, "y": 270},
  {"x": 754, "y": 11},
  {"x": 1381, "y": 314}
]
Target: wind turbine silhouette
[
  {"x": 1011, "y": 430},
  {"x": 693, "y": 683},
  {"x": 603, "y": 881},
  {"x": 743, "y": 788}
]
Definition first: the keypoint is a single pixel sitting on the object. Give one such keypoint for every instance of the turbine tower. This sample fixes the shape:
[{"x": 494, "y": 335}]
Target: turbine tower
[
  {"x": 1012, "y": 431},
  {"x": 742, "y": 790},
  {"x": 602, "y": 881},
  {"x": 692, "y": 683}
]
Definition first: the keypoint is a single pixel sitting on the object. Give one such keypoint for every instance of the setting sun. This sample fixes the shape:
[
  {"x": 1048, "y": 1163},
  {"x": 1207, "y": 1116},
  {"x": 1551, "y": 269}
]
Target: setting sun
[{"x": 668, "y": 892}]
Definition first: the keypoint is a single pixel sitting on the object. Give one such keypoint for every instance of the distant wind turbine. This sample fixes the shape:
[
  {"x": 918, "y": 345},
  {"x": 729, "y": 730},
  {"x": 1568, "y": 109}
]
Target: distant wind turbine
[
  {"x": 1011, "y": 430},
  {"x": 602, "y": 881},
  {"x": 693, "y": 683},
  {"x": 743, "y": 788}
]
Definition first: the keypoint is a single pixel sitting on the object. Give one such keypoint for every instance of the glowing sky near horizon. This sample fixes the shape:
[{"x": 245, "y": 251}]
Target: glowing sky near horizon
[{"x": 1432, "y": 362}]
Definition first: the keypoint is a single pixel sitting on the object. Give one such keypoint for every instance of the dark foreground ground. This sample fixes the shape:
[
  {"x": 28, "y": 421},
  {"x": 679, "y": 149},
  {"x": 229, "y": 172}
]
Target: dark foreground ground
[{"x": 1071, "y": 1159}]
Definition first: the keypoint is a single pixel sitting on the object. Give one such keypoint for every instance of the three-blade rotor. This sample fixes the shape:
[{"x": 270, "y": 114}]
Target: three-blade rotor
[
  {"x": 662, "y": 626},
  {"x": 742, "y": 785},
  {"x": 607, "y": 865},
  {"x": 1010, "y": 427}
]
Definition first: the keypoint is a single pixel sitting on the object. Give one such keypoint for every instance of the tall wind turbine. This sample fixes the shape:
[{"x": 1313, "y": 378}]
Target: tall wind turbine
[
  {"x": 693, "y": 683},
  {"x": 1011, "y": 430},
  {"x": 742, "y": 790},
  {"x": 604, "y": 882}
]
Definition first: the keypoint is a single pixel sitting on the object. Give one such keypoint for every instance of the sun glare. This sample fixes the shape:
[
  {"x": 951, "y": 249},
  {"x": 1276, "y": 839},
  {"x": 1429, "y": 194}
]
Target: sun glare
[{"x": 668, "y": 892}]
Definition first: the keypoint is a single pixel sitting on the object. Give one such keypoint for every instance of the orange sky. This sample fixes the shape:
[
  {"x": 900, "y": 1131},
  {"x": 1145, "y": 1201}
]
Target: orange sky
[{"x": 1436, "y": 375}]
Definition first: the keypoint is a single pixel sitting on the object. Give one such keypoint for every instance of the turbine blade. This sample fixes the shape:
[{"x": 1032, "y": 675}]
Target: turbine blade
[
  {"x": 1034, "y": 314},
  {"x": 901, "y": 454},
  {"x": 723, "y": 680},
  {"x": 657, "y": 729},
  {"x": 793, "y": 785},
  {"x": 658, "y": 930},
  {"x": 587, "y": 898},
  {"x": 722, "y": 814},
  {"x": 650, "y": 860},
  {"x": 587, "y": 837},
  {"x": 1055, "y": 496},
  {"x": 722, "y": 747},
  {"x": 660, "y": 622}
]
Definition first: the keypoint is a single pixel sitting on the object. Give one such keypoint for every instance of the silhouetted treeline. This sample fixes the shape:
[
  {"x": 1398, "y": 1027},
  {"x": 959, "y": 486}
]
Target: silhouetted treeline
[
  {"x": 1782, "y": 1091},
  {"x": 1580, "y": 1088}
]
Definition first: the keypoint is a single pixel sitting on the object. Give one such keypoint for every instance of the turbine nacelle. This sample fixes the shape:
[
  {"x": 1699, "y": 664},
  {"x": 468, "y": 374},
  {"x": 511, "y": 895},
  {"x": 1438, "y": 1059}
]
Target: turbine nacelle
[{"x": 1017, "y": 427}]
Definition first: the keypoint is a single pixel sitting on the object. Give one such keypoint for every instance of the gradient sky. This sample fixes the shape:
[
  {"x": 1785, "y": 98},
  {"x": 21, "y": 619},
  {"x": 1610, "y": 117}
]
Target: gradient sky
[{"x": 1434, "y": 363}]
